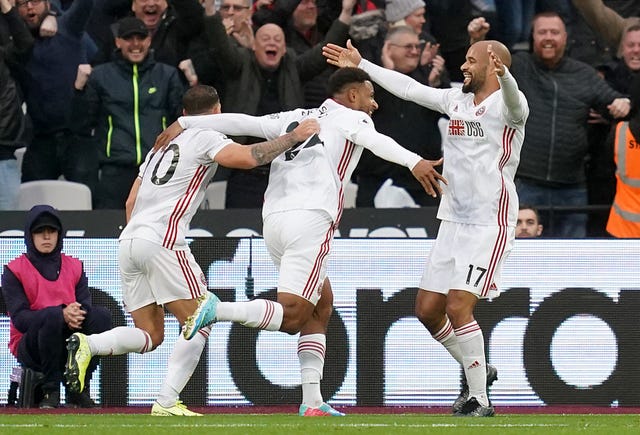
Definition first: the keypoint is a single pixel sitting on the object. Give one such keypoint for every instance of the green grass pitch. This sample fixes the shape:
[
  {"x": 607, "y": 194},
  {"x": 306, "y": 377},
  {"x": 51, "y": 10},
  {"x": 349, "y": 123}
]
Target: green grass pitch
[{"x": 279, "y": 424}]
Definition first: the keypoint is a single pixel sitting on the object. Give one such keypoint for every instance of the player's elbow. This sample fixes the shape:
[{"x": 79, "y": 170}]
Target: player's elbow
[{"x": 248, "y": 163}]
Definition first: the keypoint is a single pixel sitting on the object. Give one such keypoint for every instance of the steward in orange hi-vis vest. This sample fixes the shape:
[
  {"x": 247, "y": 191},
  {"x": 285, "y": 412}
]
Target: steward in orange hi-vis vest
[{"x": 624, "y": 218}]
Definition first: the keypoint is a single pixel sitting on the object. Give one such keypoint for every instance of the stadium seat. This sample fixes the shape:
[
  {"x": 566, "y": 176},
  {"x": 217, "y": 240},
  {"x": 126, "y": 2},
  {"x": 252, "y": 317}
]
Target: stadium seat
[
  {"x": 215, "y": 196},
  {"x": 19, "y": 153},
  {"x": 61, "y": 194},
  {"x": 391, "y": 196},
  {"x": 350, "y": 193}
]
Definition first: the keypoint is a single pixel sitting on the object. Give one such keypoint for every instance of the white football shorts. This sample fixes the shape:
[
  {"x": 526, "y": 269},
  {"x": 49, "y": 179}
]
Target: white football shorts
[
  {"x": 299, "y": 242},
  {"x": 150, "y": 274},
  {"x": 468, "y": 257}
]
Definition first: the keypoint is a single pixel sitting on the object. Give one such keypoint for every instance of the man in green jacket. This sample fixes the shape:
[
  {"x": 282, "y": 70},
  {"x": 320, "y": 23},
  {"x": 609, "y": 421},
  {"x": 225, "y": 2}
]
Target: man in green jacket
[{"x": 121, "y": 106}]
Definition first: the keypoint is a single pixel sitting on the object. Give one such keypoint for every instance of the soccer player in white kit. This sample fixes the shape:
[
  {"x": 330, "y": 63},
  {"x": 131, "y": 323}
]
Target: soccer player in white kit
[
  {"x": 157, "y": 268},
  {"x": 479, "y": 206},
  {"x": 302, "y": 208}
]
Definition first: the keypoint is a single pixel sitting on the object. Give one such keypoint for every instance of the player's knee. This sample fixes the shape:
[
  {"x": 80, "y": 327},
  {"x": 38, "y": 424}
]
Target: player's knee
[
  {"x": 156, "y": 340},
  {"x": 459, "y": 314},
  {"x": 323, "y": 313},
  {"x": 292, "y": 323},
  {"x": 425, "y": 314}
]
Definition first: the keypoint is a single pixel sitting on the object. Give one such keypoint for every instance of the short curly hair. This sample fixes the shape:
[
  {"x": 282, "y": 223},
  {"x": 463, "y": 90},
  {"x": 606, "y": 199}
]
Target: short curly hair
[{"x": 343, "y": 77}]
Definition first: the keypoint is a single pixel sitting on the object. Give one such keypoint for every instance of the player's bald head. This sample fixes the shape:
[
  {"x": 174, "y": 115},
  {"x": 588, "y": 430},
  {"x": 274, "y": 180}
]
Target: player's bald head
[{"x": 498, "y": 48}]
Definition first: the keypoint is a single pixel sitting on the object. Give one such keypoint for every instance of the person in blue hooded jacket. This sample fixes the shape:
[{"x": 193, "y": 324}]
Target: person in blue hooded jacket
[{"x": 47, "y": 297}]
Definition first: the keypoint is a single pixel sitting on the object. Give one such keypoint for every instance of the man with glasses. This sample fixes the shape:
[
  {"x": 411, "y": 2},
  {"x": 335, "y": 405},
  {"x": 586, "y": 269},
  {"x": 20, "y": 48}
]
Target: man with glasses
[
  {"x": 410, "y": 13},
  {"x": 236, "y": 18}
]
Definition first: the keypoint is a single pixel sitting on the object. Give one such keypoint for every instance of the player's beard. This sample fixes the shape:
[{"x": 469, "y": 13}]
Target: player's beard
[{"x": 473, "y": 85}]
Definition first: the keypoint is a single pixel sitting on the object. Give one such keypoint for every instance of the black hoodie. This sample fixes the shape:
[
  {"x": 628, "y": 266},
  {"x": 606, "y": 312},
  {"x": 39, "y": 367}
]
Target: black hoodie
[{"x": 48, "y": 265}]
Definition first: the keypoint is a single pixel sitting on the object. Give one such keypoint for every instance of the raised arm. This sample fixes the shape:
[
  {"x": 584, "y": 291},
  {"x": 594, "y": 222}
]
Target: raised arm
[
  {"x": 76, "y": 17},
  {"x": 21, "y": 38},
  {"x": 602, "y": 19},
  {"x": 311, "y": 62},
  {"x": 517, "y": 110}
]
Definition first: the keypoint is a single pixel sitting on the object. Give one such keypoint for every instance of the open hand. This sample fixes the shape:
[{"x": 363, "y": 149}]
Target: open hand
[
  {"x": 496, "y": 61},
  {"x": 427, "y": 175},
  {"x": 342, "y": 57}
]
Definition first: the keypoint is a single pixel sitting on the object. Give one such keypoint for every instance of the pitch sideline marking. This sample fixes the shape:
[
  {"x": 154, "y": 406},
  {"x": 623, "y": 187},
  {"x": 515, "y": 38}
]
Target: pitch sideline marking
[{"x": 238, "y": 425}]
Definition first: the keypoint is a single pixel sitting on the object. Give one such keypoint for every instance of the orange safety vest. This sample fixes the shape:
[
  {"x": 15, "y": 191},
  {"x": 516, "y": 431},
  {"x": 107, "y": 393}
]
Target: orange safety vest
[{"x": 624, "y": 218}]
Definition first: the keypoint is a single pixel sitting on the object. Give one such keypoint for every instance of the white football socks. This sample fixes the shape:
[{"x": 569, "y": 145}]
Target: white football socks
[
  {"x": 258, "y": 313},
  {"x": 120, "y": 340},
  {"x": 311, "y": 350},
  {"x": 448, "y": 339},
  {"x": 471, "y": 343},
  {"x": 182, "y": 363}
]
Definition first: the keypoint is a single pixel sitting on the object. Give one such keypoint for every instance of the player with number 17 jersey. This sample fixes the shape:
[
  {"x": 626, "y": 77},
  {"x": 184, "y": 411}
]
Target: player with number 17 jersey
[{"x": 174, "y": 179}]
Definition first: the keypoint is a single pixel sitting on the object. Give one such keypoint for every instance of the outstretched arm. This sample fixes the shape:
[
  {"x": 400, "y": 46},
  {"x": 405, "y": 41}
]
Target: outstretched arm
[
  {"x": 386, "y": 148},
  {"x": 249, "y": 156},
  {"x": 232, "y": 124},
  {"x": 400, "y": 85}
]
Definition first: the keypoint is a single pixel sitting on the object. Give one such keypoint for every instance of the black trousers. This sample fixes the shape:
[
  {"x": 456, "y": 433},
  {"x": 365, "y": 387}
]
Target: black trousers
[
  {"x": 114, "y": 186},
  {"x": 245, "y": 188},
  {"x": 51, "y": 155},
  {"x": 43, "y": 346}
]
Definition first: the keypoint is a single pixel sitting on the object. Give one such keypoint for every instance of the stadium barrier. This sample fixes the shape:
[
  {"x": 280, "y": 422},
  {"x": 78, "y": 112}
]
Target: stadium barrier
[{"x": 564, "y": 331}]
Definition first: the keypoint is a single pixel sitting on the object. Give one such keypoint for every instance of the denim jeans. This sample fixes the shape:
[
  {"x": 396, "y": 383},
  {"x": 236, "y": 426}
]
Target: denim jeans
[
  {"x": 556, "y": 223},
  {"x": 10, "y": 182}
]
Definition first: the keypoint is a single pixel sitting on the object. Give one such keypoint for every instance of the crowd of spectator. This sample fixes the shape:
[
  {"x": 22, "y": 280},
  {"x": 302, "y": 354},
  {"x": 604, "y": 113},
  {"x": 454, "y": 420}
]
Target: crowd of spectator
[{"x": 86, "y": 85}]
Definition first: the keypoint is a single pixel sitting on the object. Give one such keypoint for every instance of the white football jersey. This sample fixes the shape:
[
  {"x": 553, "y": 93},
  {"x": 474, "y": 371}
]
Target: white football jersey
[
  {"x": 481, "y": 151},
  {"x": 172, "y": 188},
  {"x": 481, "y": 148},
  {"x": 311, "y": 175}
]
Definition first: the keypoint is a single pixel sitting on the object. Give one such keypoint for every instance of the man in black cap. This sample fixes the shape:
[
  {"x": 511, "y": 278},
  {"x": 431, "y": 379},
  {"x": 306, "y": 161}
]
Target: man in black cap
[
  {"x": 121, "y": 106},
  {"x": 47, "y": 297}
]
